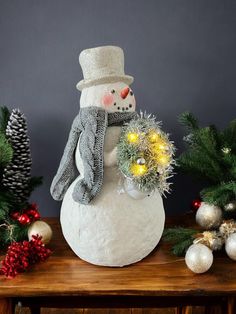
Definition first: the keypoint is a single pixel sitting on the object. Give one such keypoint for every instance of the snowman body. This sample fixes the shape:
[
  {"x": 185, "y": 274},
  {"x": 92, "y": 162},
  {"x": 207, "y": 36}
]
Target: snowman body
[{"x": 114, "y": 229}]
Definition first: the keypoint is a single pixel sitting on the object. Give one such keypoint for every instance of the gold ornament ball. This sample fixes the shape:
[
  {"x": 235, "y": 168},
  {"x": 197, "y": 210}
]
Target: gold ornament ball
[
  {"x": 199, "y": 258},
  {"x": 230, "y": 246},
  {"x": 209, "y": 216},
  {"x": 42, "y": 229}
]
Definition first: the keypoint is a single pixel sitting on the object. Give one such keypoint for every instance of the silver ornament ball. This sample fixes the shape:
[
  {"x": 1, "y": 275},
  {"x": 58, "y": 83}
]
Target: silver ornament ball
[
  {"x": 230, "y": 246},
  {"x": 141, "y": 161},
  {"x": 132, "y": 190},
  {"x": 199, "y": 258},
  {"x": 209, "y": 216}
]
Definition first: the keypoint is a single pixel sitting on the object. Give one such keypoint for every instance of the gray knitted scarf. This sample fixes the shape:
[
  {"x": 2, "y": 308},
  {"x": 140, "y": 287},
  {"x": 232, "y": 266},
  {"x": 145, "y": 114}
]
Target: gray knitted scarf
[{"x": 90, "y": 126}]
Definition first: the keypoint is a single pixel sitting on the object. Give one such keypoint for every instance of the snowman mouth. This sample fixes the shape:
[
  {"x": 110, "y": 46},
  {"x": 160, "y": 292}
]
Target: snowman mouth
[{"x": 123, "y": 108}]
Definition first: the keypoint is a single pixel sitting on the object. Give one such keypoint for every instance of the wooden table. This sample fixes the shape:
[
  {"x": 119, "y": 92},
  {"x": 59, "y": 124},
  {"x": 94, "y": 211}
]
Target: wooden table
[{"x": 160, "y": 280}]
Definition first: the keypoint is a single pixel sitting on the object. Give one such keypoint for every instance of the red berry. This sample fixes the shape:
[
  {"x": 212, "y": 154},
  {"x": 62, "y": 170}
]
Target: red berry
[
  {"x": 15, "y": 215},
  {"x": 24, "y": 219},
  {"x": 196, "y": 204}
]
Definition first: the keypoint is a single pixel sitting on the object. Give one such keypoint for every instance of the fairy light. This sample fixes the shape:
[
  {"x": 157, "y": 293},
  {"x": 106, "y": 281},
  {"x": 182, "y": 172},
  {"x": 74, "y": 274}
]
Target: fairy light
[
  {"x": 153, "y": 136},
  {"x": 138, "y": 170},
  {"x": 132, "y": 137},
  {"x": 163, "y": 159}
]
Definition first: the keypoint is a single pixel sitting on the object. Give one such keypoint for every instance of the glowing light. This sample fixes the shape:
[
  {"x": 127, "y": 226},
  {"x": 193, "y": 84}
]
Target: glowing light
[
  {"x": 158, "y": 147},
  {"x": 163, "y": 159},
  {"x": 132, "y": 137},
  {"x": 138, "y": 170},
  {"x": 153, "y": 136}
]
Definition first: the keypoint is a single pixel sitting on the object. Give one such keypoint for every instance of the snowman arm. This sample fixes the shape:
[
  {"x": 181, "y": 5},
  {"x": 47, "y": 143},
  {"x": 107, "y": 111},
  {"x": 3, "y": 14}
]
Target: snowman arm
[
  {"x": 110, "y": 158},
  {"x": 67, "y": 171}
]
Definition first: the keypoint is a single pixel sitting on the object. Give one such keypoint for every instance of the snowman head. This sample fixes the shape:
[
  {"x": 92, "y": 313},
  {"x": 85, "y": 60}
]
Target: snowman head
[
  {"x": 105, "y": 83},
  {"x": 113, "y": 97}
]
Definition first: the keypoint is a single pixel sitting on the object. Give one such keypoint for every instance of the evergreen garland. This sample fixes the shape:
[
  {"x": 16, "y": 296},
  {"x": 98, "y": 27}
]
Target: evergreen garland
[
  {"x": 181, "y": 239},
  {"x": 211, "y": 156}
]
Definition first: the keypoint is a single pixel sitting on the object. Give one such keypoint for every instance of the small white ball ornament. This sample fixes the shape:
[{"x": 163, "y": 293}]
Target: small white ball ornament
[
  {"x": 209, "y": 216},
  {"x": 199, "y": 258},
  {"x": 230, "y": 246},
  {"x": 132, "y": 190},
  {"x": 42, "y": 229}
]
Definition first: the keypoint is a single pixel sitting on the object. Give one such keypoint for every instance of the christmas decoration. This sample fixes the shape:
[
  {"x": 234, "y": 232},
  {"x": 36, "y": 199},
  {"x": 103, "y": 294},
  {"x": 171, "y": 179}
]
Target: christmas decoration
[
  {"x": 211, "y": 239},
  {"x": 16, "y": 175},
  {"x": 211, "y": 156},
  {"x": 129, "y": 221},
  {"x": 16, "y": 185},
  {"x": 196, "y": 204},
  {"x": 145, "y": 154},
  {"x": 208, "y": 216},
  {"x": 133, "y": 190},
  {"x": 181, "y": 238},
  {"x": 199, "y": 258},
  {"x": 230, "y": 207},
  {"x": 42, "y": 229},
  {"x": 24, "y": 219},
  {"x": 230, "y": 246},
  {"x": 227, "y": 228},
  {"x": 22, "y": 255}
]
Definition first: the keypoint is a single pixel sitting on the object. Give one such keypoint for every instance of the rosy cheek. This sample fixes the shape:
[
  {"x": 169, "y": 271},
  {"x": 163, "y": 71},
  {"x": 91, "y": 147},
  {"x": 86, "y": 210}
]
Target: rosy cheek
[{"x": 107, "y": 100}]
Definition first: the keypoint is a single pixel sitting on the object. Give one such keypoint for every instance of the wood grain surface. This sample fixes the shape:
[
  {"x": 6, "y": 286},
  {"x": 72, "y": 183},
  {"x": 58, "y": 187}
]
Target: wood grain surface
[{"x": 160, "y": 274}]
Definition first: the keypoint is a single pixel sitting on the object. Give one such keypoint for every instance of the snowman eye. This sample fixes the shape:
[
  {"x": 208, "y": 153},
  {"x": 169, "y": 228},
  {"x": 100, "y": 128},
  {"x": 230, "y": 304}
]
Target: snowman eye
[
  {"x": 112, "y": 91},
  {"x": 131, "y": 93}
]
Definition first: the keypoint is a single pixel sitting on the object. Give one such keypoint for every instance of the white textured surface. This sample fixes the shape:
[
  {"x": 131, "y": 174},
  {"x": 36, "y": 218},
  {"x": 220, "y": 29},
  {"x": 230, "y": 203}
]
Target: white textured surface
[
  {"x": 114, "y": 229},
  {"x": 103, "y": 64}
]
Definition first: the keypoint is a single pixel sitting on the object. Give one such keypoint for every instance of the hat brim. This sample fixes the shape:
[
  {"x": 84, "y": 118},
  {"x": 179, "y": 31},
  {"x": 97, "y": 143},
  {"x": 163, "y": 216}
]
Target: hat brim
[{"x": 103, "y": 80}]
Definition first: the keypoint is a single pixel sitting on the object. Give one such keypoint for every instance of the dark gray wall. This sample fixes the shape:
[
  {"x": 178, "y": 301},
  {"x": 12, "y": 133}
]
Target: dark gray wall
[{"x": 181, "y": 53}]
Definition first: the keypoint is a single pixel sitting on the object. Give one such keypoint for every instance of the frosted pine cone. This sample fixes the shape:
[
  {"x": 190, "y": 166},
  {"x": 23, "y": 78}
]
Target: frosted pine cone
[{"x": 17, "y": 174}]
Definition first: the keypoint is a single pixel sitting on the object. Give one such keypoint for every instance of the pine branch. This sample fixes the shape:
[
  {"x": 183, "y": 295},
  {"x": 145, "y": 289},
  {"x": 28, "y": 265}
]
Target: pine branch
[
  {"x": 220, "y": 194},
  {"x": 6, "y": 151},
  {"x": 229, "y": 136},
  {"x": 189, "y": 121},
  {"x": 34, "y": 182},
  {"x": 4, "y": 117},
  {"x": 181, "y": 238}
]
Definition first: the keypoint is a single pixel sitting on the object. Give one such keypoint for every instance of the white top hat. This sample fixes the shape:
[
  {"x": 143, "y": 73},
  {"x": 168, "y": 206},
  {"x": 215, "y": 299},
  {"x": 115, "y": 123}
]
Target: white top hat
[{"x": 102, "y": 65}]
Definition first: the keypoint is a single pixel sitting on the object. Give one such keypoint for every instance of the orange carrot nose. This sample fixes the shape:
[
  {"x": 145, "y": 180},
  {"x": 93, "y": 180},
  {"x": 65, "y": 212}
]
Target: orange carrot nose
[{"x": 124, "y": 92}]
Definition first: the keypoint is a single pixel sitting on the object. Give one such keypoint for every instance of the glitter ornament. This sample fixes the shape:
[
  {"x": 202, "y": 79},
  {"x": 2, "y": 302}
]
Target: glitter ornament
[
  {"x": 211, "y": 239},
  {"x": 230, "y": 206},
  {"x": 42, "y": 229},
  {"x": 199, "y": 258},
  {"x": 209, "y": 216},
  {"x": 230, "y": 246},
  {"x": 227, "y": 228}
]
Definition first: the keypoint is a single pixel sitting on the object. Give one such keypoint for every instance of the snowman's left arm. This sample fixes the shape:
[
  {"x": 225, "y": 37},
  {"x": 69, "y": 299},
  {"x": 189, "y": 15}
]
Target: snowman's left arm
[{"x": 67, "y": 170}]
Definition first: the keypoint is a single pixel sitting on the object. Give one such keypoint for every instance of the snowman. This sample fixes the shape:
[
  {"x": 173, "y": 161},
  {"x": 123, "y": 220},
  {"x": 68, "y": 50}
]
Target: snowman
[{"x": 102, "y": 225}]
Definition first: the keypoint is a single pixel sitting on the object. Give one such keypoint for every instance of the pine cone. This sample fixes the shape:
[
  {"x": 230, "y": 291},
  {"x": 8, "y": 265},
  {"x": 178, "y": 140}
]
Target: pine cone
[{"x": 17, "y": 174}]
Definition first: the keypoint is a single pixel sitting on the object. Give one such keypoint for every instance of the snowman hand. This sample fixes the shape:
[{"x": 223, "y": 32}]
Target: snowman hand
[{"x": 110, "y": 158}]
